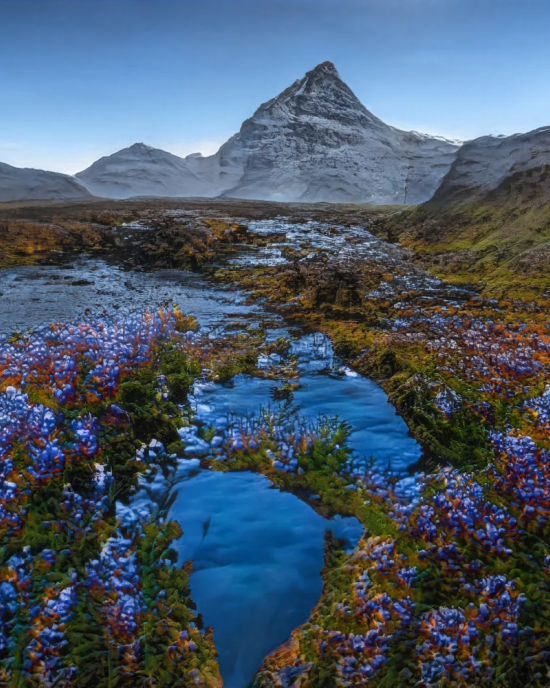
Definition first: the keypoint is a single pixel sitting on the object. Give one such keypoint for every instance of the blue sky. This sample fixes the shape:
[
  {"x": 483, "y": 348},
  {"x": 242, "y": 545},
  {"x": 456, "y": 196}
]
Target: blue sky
[{"x": 83, "y": 78}]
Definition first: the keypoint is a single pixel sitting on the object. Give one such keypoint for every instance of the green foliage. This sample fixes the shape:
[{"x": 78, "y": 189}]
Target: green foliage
[
  {"x": 503, "y": 246},
  {"x": 244, "y": 363}
]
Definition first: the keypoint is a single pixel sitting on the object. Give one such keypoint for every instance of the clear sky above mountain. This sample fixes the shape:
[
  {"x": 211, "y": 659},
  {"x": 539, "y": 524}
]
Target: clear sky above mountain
[{"x": 83, "y": 78}]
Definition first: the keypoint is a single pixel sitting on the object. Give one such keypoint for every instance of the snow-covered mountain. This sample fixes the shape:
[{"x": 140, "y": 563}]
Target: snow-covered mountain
[
  {"x": 483, "y": 164},
  {"x": 26, "y": 184},
  {"x": 317, "y": 142},
  {"x": 313, "y": 142},
  {"x": 141, "y": 170}
]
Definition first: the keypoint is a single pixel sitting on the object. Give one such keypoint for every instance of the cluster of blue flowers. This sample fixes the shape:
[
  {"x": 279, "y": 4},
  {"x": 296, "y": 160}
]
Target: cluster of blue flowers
[
  {"x": 384, "y": 617},
  {"x": 284, "y": 435},
  {"x": 65, "y": 367},
  {"x": 114, "y": 579},
  {"x": 50, "y": 356}
]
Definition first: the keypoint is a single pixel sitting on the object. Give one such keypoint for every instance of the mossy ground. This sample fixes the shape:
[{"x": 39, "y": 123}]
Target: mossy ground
[{"x": 502, "y": 249}]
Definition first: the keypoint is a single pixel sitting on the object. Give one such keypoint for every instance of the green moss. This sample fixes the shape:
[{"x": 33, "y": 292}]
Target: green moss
[
  {"x": 238, "y": 363},
  {"x": 502, "y": 248}
]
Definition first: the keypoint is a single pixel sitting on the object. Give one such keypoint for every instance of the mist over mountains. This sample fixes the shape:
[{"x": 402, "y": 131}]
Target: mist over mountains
[{"x": 314, "y": 142}]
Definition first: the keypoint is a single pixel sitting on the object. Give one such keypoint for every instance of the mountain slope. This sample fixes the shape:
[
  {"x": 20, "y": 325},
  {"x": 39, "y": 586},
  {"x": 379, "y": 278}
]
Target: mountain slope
[
  {"x": 317, "y": 142},
  {"x": 488, "y": 163},
  {"x": 141, "y": 170},
  {"x": 489, "y": 221},
  {"x": 313, "y": 142},
  {"x": 17, "y": 184}
]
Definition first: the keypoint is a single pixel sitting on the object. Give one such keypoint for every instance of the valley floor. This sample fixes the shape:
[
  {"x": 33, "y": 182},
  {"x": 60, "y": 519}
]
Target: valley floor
[{"x": 449, "y": 584}]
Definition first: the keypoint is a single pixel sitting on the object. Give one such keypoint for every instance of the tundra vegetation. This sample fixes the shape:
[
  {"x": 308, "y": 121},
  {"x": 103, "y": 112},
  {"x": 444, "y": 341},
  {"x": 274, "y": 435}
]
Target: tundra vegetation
[{"x": 449, "y": 585}]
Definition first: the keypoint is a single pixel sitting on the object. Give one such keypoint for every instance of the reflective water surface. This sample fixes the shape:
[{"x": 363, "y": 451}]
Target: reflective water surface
[{"x": 257, "y": 555}]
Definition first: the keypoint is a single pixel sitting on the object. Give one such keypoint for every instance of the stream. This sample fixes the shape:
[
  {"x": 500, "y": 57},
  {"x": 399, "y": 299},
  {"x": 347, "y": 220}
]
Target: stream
[{"x": 257, "y": 552}]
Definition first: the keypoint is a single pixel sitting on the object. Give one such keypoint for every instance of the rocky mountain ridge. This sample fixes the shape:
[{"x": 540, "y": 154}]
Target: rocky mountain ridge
[{"x": 317, "y": 142}]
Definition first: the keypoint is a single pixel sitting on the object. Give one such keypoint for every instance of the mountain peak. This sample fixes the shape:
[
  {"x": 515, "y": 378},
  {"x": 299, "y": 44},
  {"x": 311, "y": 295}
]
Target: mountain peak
[
  {"x": 325, "y": 68},
  {"x": 138, "y": 147},
  {"x": 321, "y": 94}
]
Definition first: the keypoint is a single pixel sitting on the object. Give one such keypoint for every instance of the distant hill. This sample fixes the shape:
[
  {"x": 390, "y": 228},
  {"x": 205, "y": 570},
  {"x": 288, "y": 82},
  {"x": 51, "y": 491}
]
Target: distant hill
[
  {"x": 489, "y": 221},
  {"x": 18, "y": 184},
  {"x": 141, "y": 170}
]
